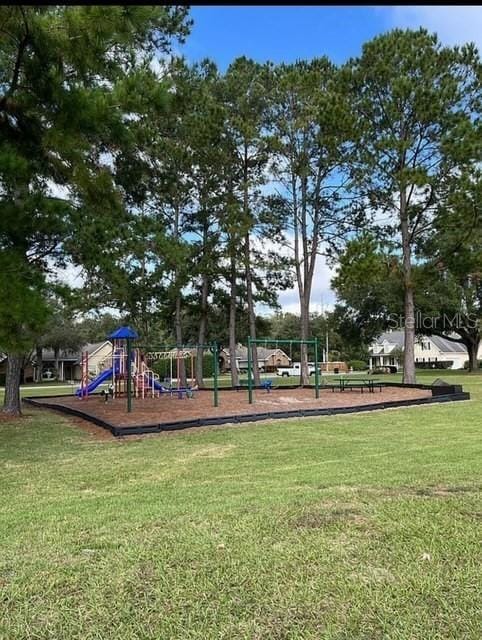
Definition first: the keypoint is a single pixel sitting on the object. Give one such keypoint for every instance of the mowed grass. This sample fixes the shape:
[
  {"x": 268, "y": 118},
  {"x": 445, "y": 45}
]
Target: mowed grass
[{"x": 345, "y": 527}]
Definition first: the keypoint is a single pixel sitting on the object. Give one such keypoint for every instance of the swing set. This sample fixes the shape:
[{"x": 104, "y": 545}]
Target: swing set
[
  {"x": 177, "y": 354},
  {"x": 174, "y": 355},
  {"x": 265, "y": 341}
]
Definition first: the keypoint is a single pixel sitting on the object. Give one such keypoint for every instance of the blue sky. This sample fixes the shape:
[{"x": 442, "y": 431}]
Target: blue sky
[
  {"x": 283, "y": 34},
  {"x": 280, "y": 33}
]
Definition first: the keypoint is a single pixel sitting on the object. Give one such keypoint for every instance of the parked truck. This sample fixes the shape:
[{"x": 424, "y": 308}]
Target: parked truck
[{"x": 295, "y": 370}]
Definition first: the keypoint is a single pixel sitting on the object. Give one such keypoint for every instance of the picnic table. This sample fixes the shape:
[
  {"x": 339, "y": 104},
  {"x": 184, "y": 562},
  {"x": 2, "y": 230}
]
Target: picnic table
[{"x": 352, "y": 383}]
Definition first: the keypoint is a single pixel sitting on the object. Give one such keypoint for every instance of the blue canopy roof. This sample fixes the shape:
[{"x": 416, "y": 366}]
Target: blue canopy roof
[{"x": 123, "y": 333}]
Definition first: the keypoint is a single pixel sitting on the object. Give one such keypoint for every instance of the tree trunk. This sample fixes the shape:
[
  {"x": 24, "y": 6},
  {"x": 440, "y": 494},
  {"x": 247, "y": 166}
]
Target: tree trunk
[
  {"x": 39, "y": 364},
  {"x": 473, "y": 349},
  {"x": 232, "y": 324},
  {"x": 251, "y": 312},
  {"x": 56, "y": 363},
  {"x": 247, "y": 265},
  {"x": 409, "y": 306},
  {"x": 202, "y": 331},
  {"x": 11, "y": 403},
  {"x": 305, "y": 333},
  {"x": 181, "y": 365}
]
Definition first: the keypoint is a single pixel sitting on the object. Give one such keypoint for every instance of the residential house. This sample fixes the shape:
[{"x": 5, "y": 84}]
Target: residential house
[
  {"x": 385, "y": 351},
  {"x": 269, "y": 359},
  {"x": 70, "y": 362}
]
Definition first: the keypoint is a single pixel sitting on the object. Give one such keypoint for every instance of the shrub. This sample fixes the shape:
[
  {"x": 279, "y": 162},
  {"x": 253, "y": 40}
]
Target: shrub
[
  {"x": 440, "y": 364},
  {"x": 479, "y": 364},
  {"x": 357, "y": 365},
  {"x": 380, "y": 370}
]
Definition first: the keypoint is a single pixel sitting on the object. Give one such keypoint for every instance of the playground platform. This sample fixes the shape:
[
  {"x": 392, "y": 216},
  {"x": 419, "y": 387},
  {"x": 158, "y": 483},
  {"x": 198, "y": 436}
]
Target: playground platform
[{"x": 167, "y": 413}]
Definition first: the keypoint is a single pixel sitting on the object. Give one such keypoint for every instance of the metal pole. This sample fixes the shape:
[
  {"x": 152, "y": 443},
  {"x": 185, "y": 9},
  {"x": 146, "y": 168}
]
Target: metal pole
[
  {"x": 129, "y": 377},
  {"x": 250, "y": 388},
  {"x": 317, "y": 380},
  {"x": 215, "y": 373}
]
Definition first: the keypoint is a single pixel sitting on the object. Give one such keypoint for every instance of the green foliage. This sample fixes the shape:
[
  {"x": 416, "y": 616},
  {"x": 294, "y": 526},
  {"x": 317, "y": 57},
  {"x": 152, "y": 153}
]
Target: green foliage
[
  {"x": 368, "y": 283},
  {"x": 23, "y": 312},
  {"x": 446, "y": 364},
  {"x": 415, "y": 104},
  {"x": 68, "y": 77},
  {"x": 357, "y": 365}
]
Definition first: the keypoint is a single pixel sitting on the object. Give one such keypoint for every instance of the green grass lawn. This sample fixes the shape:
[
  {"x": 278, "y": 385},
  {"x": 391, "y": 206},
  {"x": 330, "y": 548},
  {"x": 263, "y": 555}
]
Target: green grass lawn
[{"x": 339, "y": 528}]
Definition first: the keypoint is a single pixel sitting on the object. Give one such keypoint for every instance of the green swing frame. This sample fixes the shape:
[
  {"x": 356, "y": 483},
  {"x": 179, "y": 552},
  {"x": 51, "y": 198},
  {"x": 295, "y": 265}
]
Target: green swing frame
[{"x": 264, "y": 341}]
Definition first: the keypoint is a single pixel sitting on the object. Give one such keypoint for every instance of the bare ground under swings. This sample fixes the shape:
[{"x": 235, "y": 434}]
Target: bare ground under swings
[{"x": 171, "y": 408}]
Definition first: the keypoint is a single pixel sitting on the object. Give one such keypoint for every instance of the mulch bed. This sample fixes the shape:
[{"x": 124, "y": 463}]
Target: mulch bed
[{"x": 170, "y": 409}]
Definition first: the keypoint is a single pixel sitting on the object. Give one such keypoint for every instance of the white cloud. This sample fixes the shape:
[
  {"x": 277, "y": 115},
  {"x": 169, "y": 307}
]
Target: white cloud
[
  {"x": 322, "y": 297},
  {"x": 70, "y": 275},
  {"x": 453, "y": 24}
]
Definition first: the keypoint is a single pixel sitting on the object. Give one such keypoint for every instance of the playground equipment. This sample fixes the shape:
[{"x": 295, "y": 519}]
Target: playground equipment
[
  {"x": 131, "y": 376},
  {"x": 176, "y": 354},
  {"x": 265, "y": 341},
  {"x": 121, "y": 370}
]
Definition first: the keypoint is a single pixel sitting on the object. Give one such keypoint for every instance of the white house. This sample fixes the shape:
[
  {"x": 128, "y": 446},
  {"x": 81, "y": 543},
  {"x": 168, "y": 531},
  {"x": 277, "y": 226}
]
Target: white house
[
  {"x": 99, "y": 357},
  {"x": 384, "y": 351}
]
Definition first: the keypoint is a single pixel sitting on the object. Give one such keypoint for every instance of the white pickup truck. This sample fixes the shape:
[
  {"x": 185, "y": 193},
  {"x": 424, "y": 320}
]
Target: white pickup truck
[{"x": 295, "y": 370}]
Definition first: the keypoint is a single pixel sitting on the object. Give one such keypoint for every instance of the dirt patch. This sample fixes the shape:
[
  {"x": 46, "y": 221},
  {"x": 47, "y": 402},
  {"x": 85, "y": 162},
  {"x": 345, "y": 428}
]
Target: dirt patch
[
  {"x": 324, "y": 517},
  {"x": 443, "y": 491},
  {"x": 152, "y": 411},
  {"x": 6, "y": 417},
  {"x": 430, "y": 491}
]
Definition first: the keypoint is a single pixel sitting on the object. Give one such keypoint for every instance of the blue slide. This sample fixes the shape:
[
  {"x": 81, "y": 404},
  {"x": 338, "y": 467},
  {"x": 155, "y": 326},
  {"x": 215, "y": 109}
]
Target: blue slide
[
  {"x": 102, "y": 377},
  {"x": 157, "y": 385}
]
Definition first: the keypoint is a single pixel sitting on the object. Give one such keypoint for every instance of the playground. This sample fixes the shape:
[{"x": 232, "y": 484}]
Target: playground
[
  {"x": 139, "y": 400},
  {"x": 170, "y": 408}
]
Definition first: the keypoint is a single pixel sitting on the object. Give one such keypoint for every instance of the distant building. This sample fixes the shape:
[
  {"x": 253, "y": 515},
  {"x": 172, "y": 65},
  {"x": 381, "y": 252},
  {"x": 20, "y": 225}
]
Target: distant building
[
  {"x": 385, "y": 350},
  {"x": 70, "y": 367},
  {"x": 269, "y": 359},
  {"x": 70, "y": 362}
]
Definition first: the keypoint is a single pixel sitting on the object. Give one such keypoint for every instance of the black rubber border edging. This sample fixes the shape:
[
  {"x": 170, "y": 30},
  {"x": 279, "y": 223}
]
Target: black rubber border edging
[{"x": 252, "y": 417}]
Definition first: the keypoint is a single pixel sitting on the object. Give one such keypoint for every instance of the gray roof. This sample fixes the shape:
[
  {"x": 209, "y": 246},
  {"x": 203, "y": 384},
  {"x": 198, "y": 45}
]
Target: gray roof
[
  {"x": 397, "y": 338},
  {"x": 263, "y": 352},
  {"x": 69, "y": 355},
  {"x": 447, "y": 345}
]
